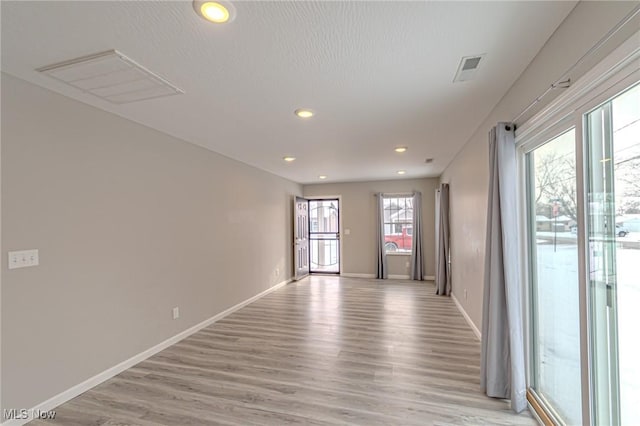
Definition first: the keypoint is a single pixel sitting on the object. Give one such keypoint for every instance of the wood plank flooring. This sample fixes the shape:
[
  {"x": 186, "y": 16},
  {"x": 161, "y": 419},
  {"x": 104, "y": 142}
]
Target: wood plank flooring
[{"x": 325, "y": 350}]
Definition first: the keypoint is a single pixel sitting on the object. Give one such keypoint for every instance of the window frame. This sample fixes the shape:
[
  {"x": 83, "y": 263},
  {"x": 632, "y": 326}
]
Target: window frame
[{"x": 403, "y": 224}]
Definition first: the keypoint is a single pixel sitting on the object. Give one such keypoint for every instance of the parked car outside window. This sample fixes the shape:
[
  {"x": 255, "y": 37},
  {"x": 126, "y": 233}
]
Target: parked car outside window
[
  {"x": 400, "y": 241},
  {"x": 621, "y": 231}
]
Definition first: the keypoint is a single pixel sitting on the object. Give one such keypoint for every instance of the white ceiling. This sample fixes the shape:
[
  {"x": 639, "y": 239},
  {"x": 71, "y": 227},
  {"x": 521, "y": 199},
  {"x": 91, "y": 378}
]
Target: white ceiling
[{"x": 378, "y": 74}]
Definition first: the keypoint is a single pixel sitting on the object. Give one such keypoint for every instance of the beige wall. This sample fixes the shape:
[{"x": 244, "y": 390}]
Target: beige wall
[
  {"x": 468, "y": 173},
  {"x": 129, "y": 222},
  {"x": 358, "y": 215}
]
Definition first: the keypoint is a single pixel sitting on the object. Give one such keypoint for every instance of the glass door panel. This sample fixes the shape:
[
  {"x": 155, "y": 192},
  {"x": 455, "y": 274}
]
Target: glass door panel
[
  {"x": 552, "y": 205},
  {"x": 324, "y": 236},
  {"x": 613, "y": 211}
]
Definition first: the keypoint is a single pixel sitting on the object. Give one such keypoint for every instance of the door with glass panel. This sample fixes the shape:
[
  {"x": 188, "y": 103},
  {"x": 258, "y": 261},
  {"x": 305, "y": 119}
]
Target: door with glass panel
[
  {"x": 301, "y": 237},
  {"x": 612, "y": 138},
  {"x": 324, "y": 236},
  {"x": 554, "y": 291}
]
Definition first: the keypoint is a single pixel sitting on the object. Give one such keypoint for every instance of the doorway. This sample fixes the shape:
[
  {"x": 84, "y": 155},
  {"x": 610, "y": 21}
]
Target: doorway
[{"x": 324, "y": 236}]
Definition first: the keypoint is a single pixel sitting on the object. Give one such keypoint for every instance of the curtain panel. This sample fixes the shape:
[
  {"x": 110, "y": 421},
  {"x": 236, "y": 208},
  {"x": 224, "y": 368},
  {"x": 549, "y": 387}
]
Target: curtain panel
[
  {"x": 417, "y": 253},
  {"x": 502, "y": 363},
  {"x": 381, "y": 260},
  {"x": 443, "y": 268}
]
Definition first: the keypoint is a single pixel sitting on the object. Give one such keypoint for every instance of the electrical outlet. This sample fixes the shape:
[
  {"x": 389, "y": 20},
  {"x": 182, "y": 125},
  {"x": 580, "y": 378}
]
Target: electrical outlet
[
  {"x": 277, "y": 272},
  {"x": 176, "y": 313},
  {"x": 23, "y": 259},
  {"x": 407, "y": 264},
  {"x": 465, "y": 294}
]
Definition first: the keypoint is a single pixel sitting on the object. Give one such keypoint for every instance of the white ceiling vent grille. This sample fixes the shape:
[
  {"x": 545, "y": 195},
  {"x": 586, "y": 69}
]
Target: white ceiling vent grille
[
  {"x": 468, "y": 67},
  {"x": 111, "y": 76}
]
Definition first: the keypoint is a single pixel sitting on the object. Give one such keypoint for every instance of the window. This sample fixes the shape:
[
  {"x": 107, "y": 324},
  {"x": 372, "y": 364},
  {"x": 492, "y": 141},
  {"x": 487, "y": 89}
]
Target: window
[{"x": 398, "y": 224}]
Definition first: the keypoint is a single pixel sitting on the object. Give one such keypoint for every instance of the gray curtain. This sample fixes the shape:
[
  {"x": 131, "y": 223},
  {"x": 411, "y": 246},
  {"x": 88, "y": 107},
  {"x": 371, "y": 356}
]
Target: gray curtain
[
  {"x": 502, "y": 364},
  {"x": 443, "y": 268},
  {"x": 417, "y": 261},
  {"x": 381, "y": 261}
]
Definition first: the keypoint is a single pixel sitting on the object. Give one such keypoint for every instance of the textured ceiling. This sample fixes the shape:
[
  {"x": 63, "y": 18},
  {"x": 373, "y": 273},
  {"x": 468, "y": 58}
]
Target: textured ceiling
[{"x": 378, "y": 74}]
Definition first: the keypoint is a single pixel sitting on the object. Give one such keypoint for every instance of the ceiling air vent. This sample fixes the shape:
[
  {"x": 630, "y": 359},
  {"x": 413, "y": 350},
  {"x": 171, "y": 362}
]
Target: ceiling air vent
[
  {"x": 468, "y": 67},
  {"x": 111, "y": 76}
]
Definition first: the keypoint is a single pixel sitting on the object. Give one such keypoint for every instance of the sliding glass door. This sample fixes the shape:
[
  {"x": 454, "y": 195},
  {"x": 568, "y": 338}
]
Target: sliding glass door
[
  {"x": 554, "y": 291},
  {"x": 612, "y": 133},
  {"x": 582, "y": 185}
]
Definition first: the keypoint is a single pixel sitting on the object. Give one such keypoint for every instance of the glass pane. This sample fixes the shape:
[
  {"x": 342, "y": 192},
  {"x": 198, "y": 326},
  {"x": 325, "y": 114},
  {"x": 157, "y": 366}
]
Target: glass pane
[
  {"x": 626, "y": 160},
  {"x": 324, "y": 216},
  {"x": 398, "y": 224},
  {"x": 324, "y": 236},
  {"x": 324, "y": 256},
  {"x": 554, "y": 269},
  {"x": 613, "y": 133}
]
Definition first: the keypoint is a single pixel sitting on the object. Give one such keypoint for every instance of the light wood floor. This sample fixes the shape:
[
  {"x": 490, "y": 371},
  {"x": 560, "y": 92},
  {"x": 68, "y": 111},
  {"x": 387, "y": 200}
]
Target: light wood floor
[{"x": 325, "y": 350}]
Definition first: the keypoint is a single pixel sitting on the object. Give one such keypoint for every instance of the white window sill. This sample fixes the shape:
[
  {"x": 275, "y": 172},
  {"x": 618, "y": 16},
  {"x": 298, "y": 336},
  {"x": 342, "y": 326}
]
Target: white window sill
[{"x": 395, "y": 253}]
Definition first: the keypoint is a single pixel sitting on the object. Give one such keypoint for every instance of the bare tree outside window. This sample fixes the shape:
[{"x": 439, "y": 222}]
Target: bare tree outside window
[{"x": 555, "y": 185}]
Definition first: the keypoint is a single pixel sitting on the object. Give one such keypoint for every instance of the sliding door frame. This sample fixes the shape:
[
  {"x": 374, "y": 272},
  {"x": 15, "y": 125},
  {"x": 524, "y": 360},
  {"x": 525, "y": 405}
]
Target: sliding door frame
[
  {"x": 524, "y": 148},
  {"x": 616, "y": 73}
]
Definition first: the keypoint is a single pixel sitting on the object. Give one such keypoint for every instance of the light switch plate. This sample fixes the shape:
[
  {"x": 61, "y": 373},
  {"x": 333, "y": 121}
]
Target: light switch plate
[{"x": 23, "y": 259}]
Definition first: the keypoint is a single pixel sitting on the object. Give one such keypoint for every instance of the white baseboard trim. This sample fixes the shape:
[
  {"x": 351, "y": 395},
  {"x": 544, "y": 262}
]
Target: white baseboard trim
[
  {"x": 351, "y": 275},
  {"x": 80, "y": 388},
  {"x": 391, "y": 277},
  {"x": 467, "y": 317}
]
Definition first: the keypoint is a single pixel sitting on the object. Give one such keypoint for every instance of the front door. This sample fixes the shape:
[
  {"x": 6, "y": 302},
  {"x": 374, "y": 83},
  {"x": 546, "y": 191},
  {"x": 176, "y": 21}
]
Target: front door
[{"x": 301, "y": 237}]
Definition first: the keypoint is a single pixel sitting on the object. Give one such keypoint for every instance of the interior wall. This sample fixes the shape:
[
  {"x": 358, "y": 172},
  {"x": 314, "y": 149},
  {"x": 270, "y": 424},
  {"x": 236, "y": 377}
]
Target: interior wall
[
  {"x": 129, "y": 223},
  {"x": 468, "y": 173},
  {"x": 358, "y": 216},
  {"x": 1, "y": 252}
]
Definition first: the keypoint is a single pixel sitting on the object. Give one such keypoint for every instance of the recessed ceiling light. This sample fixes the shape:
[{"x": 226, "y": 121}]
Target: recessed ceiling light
[
  {"x": 401, "y": 149},
  {"x": 288, "y": 158},
  {"x": 322, "y": 177},
  {"x": 402, "y": 172},
  {"x": 304, "y": 113},
  {"x": 218, "y": 12}
]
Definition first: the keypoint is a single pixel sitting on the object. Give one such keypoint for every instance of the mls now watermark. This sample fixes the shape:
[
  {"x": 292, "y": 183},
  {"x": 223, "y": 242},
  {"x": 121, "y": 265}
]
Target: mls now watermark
[{"x": 28, "y": 414}]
